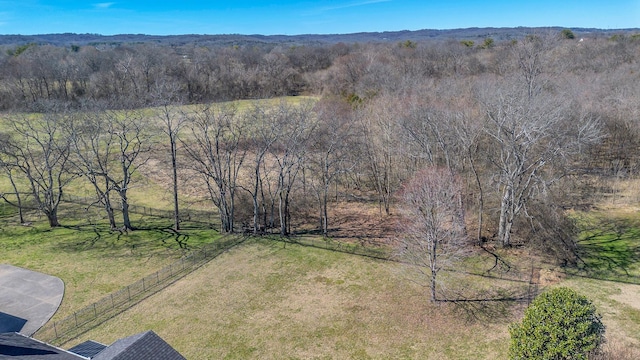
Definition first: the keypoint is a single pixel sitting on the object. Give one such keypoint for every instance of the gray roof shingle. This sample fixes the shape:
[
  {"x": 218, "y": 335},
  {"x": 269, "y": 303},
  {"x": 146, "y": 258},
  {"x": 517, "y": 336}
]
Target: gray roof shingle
[
  {"x": 16, "y": 346},
  {"x": 143, "y": 346},
  {"x": 88, "y": 349}
]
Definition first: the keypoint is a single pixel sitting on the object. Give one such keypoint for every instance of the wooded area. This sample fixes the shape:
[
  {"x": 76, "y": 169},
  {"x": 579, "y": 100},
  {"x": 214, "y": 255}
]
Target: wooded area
[{"x": 529, "y": 126}]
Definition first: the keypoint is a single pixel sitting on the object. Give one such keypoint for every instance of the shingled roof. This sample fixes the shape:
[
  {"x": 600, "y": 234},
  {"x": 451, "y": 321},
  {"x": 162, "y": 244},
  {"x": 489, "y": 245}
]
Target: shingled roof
[
  {"x": 88, "y": 349},
  {"x": 143, "y": 346},
  {"x": 16, "y": 346},
  {"x": 146, "y": 345}
]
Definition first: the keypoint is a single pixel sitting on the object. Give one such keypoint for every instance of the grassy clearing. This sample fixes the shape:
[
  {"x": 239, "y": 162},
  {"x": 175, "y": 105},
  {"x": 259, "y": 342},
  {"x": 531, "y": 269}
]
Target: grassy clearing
[
  {"x": 608, "y": 271},
  {"x": 268, "y": 301},
  {"x": 609, "y": 245},
  {"x": 609, "y": 249},
  {"x": 92, "y": 260}
]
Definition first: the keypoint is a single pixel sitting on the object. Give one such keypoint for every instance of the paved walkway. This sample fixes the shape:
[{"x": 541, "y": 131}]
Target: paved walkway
[{"x": 28, "y": 299}]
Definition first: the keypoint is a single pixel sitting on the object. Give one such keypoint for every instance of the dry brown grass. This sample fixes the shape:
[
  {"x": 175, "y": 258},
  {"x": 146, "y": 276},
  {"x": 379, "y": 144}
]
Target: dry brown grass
[
  {"x": 616, "y": 350},
  {"x": 264, "y": 301}
]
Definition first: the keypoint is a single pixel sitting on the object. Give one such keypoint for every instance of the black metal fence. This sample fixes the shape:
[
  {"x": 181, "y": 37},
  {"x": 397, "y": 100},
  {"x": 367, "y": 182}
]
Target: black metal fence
[
  {"x": 81, "y": 321},
  {"x": 210, "y": 218}
]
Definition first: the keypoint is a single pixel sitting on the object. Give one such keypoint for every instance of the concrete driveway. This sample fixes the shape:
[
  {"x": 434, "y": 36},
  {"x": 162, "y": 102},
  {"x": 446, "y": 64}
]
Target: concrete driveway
[{"x": 28, "y": 299}]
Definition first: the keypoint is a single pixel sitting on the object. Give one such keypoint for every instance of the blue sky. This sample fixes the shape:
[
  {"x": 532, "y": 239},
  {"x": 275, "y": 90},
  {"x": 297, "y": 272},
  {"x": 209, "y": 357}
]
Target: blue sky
[{"x": 293, "y": 17}]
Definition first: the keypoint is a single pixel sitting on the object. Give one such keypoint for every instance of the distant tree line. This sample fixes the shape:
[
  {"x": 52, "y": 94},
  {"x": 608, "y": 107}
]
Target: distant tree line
[{"x": 130, "y": 75}]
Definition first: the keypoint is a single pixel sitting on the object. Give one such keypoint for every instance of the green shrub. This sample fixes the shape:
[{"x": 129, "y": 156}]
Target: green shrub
[
  {"x": 559, "y": 324},
  {"x": 567, "y": 34}
]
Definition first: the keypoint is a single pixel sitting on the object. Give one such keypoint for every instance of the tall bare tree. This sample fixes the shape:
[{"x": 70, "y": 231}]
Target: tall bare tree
[
  {"x": 297, "y": 126},
  {"x": 166, "y": 97},
  {"x": 93, "y": 145},
  {"x": 7, "y": 166},
  {"x": 265, "y": 130},
  {"x": 379, "y": 128},
  {"x": 39, "y": 150},
  {"x": 133, "y": 143},
  {"x": 530, "y": 136},
  {"x": 329, "y": 152},
  {"x": 217, "y": 155},
  {"x": 432, "y": 236}
]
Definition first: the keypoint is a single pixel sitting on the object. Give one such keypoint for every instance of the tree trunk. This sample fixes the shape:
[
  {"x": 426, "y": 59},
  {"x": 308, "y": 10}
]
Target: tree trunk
[
  {"x": 174, "y": 165},
  {"x": 125, "y": 211},
  {"x": 480, "y": 196},
  {"x": 18, "y": 198},
  {"x": 52, "y": 217},
  {"x": 506, "y": 221},
  {"x": 433, "y": 286},
  {"x": 433, "y": 261},
  {"x": 283, "y": 216},
  {"x": 325, "y": 213},
  {"x": 109, "y": 209},
  {"x": 254, "y": 197}
]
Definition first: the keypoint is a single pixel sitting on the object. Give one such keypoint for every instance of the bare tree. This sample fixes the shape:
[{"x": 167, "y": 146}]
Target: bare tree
[
  {"x": 432, "y": 236},
  {"x": 330, "y": 148},
  {"x": 166, "y": 94},
  {"x": 265, "y": 128},
  {"x": 133, "y": 143},
  {"x": 217, "y": 155},
  {"x": 6, "y": 165},
  {"x": 379, "y": 128},
  {"x": 39, "y": 150},
  {"x": 297, "y": 126},
  {"x": 530, "y": 135},
  {"x": 93, "y": 145}
]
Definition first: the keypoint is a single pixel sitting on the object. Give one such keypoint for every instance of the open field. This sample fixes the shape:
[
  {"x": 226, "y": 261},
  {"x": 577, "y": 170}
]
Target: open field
[
  {"x": 267, "y": 300},
  {"x": 272, "y": 302}
]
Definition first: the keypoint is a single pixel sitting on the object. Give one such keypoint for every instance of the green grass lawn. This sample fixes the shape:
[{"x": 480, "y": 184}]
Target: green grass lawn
[
  {"x": 609, "y": 247},
  {"x": 91, "y": 260},
  {"x": 267, "y": 301}
]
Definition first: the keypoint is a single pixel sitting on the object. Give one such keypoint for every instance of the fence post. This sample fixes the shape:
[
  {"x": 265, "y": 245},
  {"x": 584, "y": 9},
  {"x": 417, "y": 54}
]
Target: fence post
[
  {"x": 143, "y": 288},
  {"x": 55, "y": 329}
]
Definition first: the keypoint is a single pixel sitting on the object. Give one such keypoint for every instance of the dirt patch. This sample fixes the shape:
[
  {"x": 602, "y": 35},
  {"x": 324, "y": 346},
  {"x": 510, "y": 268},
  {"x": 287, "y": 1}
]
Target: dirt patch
[
  {"x": 362, "y": 222},
  {"x": 550, "y": 277}
]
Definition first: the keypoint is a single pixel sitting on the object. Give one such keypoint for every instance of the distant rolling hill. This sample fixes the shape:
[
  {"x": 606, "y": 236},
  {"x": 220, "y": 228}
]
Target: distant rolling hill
[{"x": 498, "y": 34}]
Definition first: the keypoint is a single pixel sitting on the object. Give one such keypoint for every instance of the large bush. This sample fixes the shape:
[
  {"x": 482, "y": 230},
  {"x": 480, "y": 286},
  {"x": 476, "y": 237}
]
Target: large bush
[{"x": 559, "y": 324}]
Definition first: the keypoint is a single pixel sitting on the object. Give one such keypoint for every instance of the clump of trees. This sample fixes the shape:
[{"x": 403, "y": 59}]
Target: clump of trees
[
  {"x": 559, "y": 324},
  {"x": 519, "y": 123}
]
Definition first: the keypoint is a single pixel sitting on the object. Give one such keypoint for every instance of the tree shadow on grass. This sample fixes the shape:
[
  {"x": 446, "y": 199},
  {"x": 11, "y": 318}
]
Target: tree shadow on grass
[
  {"x": 609, "y": 250},
  {"x": 122, "y": 243},
  {"x": 491, "y": 303},
  {"x": 489, "y": 310}
]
